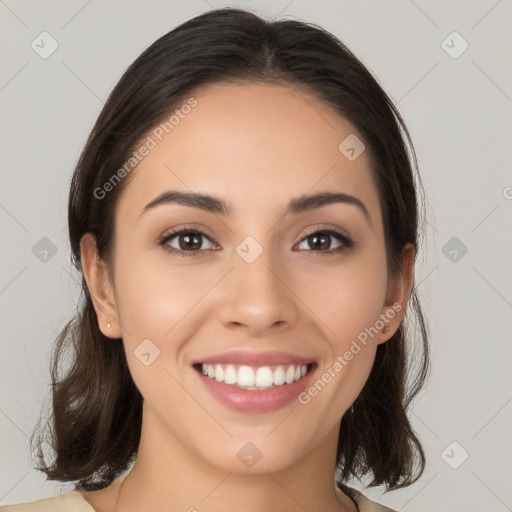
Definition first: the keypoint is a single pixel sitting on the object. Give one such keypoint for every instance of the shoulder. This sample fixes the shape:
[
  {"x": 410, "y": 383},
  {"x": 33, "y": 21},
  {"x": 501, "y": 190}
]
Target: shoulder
[
  {"x": 363, "y": 503},
  {"x": 71, "y": 501},
  {"x": 366, "y": 505}
]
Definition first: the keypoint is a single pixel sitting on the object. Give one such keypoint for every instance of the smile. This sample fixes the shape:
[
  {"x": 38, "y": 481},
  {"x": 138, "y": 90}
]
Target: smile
[
  {"x": 254, "y": 378},
  {"x": 255, "y": 382}
]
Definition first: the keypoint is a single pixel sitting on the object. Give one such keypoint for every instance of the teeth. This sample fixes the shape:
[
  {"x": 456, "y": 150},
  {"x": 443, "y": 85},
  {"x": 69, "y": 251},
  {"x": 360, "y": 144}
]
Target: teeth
[
  {"x": 264, "y": 377},
  {"x": 230, "y": 375},
  {"x": 254, "y": 378},
  {"x": 279, "y": 376},
  {"x": 219, "y": 373},
  {"x": 289, "y": 376},
  {"x": 245, "y": 376}
]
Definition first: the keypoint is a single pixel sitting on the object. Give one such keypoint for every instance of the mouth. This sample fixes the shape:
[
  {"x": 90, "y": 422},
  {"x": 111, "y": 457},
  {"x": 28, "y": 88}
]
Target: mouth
[
  {"x": 255, "y": 382},
  {"x": 254, "y": 378}
]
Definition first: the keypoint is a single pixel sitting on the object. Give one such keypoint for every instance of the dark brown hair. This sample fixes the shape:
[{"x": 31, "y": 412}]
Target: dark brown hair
[{"x": 96, "y": 418}]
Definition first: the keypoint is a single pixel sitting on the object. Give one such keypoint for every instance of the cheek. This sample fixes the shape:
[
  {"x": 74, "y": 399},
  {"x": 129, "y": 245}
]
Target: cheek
[
  {"x": 155, "y": 301},
  {"x": 155, "y": 295},
  {"x": 158, "y": 306},
  {"x": 347, "y": 298}
]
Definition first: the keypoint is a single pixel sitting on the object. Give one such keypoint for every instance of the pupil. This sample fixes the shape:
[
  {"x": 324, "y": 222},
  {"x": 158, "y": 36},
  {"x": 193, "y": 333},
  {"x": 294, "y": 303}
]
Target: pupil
[
  {"x": 320, "y": 241},
  {"x": 190, "y": 242}
]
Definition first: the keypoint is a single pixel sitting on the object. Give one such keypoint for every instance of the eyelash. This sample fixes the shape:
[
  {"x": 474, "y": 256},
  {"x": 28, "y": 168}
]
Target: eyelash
[{"x": 347, "y": 243}]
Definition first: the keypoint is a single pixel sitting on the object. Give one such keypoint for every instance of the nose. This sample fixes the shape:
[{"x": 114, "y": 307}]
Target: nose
[{"x": 257, "y": 297}]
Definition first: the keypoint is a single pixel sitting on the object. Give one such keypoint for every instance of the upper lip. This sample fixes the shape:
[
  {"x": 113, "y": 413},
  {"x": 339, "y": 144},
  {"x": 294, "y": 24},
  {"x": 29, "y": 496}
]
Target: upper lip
[{"x": 243, "y": 357}]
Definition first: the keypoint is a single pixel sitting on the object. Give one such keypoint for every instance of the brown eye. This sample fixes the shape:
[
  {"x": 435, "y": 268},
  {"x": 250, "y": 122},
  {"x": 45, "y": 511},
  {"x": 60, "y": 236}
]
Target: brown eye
[
  {"x": 321, "y": 241},
  {"x": 186, "y": 241},
  {"x": 189, "y": 241}
]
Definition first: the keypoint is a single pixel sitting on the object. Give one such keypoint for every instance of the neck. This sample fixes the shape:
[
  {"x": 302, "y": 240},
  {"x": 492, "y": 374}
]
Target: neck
[{"x": 166, "y": 474}]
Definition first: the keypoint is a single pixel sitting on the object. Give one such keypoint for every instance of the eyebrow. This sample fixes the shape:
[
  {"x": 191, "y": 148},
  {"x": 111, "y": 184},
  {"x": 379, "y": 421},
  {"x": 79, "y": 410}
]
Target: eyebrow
[{"x": 214, "y": 205}]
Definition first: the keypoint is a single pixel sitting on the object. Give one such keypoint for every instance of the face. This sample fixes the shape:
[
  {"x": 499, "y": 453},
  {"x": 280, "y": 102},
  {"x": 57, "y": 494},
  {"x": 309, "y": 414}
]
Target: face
[{"x": 259, "y": 293}]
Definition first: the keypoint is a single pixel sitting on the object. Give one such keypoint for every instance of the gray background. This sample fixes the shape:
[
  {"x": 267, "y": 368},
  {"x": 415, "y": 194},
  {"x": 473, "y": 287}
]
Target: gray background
[{"x": 459, "y": 113}]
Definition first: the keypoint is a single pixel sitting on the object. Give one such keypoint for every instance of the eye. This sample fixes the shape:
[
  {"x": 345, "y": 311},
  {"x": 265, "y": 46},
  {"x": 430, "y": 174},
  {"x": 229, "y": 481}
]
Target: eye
[
  {"x": 320, "y": 241},
  {"x": 186, "y": 242},
  {"x": 191, "y": 243}
]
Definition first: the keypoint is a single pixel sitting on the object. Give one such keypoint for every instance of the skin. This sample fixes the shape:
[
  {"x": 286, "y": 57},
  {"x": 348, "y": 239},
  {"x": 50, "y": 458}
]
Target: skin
[{"x": 294, "y": 298}]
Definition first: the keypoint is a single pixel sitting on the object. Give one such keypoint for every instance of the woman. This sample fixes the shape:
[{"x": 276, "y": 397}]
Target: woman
[{"x": 245, "y": 217}]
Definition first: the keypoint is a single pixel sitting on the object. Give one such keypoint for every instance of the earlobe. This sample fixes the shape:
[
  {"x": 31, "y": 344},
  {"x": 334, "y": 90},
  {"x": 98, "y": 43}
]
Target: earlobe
[
  {"x": 398, "y": 295},
  {"x": 100, "y": 289}
]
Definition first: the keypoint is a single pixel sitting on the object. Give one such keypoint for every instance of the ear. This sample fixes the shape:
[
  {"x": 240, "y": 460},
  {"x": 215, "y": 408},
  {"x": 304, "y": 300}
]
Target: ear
[
  {"x": 100, "y": 288},
  {"x": 397, "y": 296}
]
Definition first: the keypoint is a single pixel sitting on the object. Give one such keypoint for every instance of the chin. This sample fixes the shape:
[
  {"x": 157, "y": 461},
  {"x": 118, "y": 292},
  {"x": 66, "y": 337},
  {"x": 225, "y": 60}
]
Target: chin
[{"x": 258, "y": 454}]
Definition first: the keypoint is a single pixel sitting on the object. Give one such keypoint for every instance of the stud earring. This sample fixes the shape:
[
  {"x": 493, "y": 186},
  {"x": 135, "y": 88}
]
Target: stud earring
[
  {"x": 109, "y": 325},
  {"x": 385, "y": 329}
]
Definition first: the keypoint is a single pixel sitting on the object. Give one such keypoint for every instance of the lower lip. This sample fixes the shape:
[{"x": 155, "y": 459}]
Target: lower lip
[{"x": 245, "y": 400}]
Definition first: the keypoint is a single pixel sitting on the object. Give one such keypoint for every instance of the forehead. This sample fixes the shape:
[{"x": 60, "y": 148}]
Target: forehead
[{"x": 252, "y": 145}]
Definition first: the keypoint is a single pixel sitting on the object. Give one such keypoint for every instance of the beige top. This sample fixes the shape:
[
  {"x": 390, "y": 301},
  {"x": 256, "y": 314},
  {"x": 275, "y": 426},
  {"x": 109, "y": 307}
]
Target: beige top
[{"x": 73, "y": 501}]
